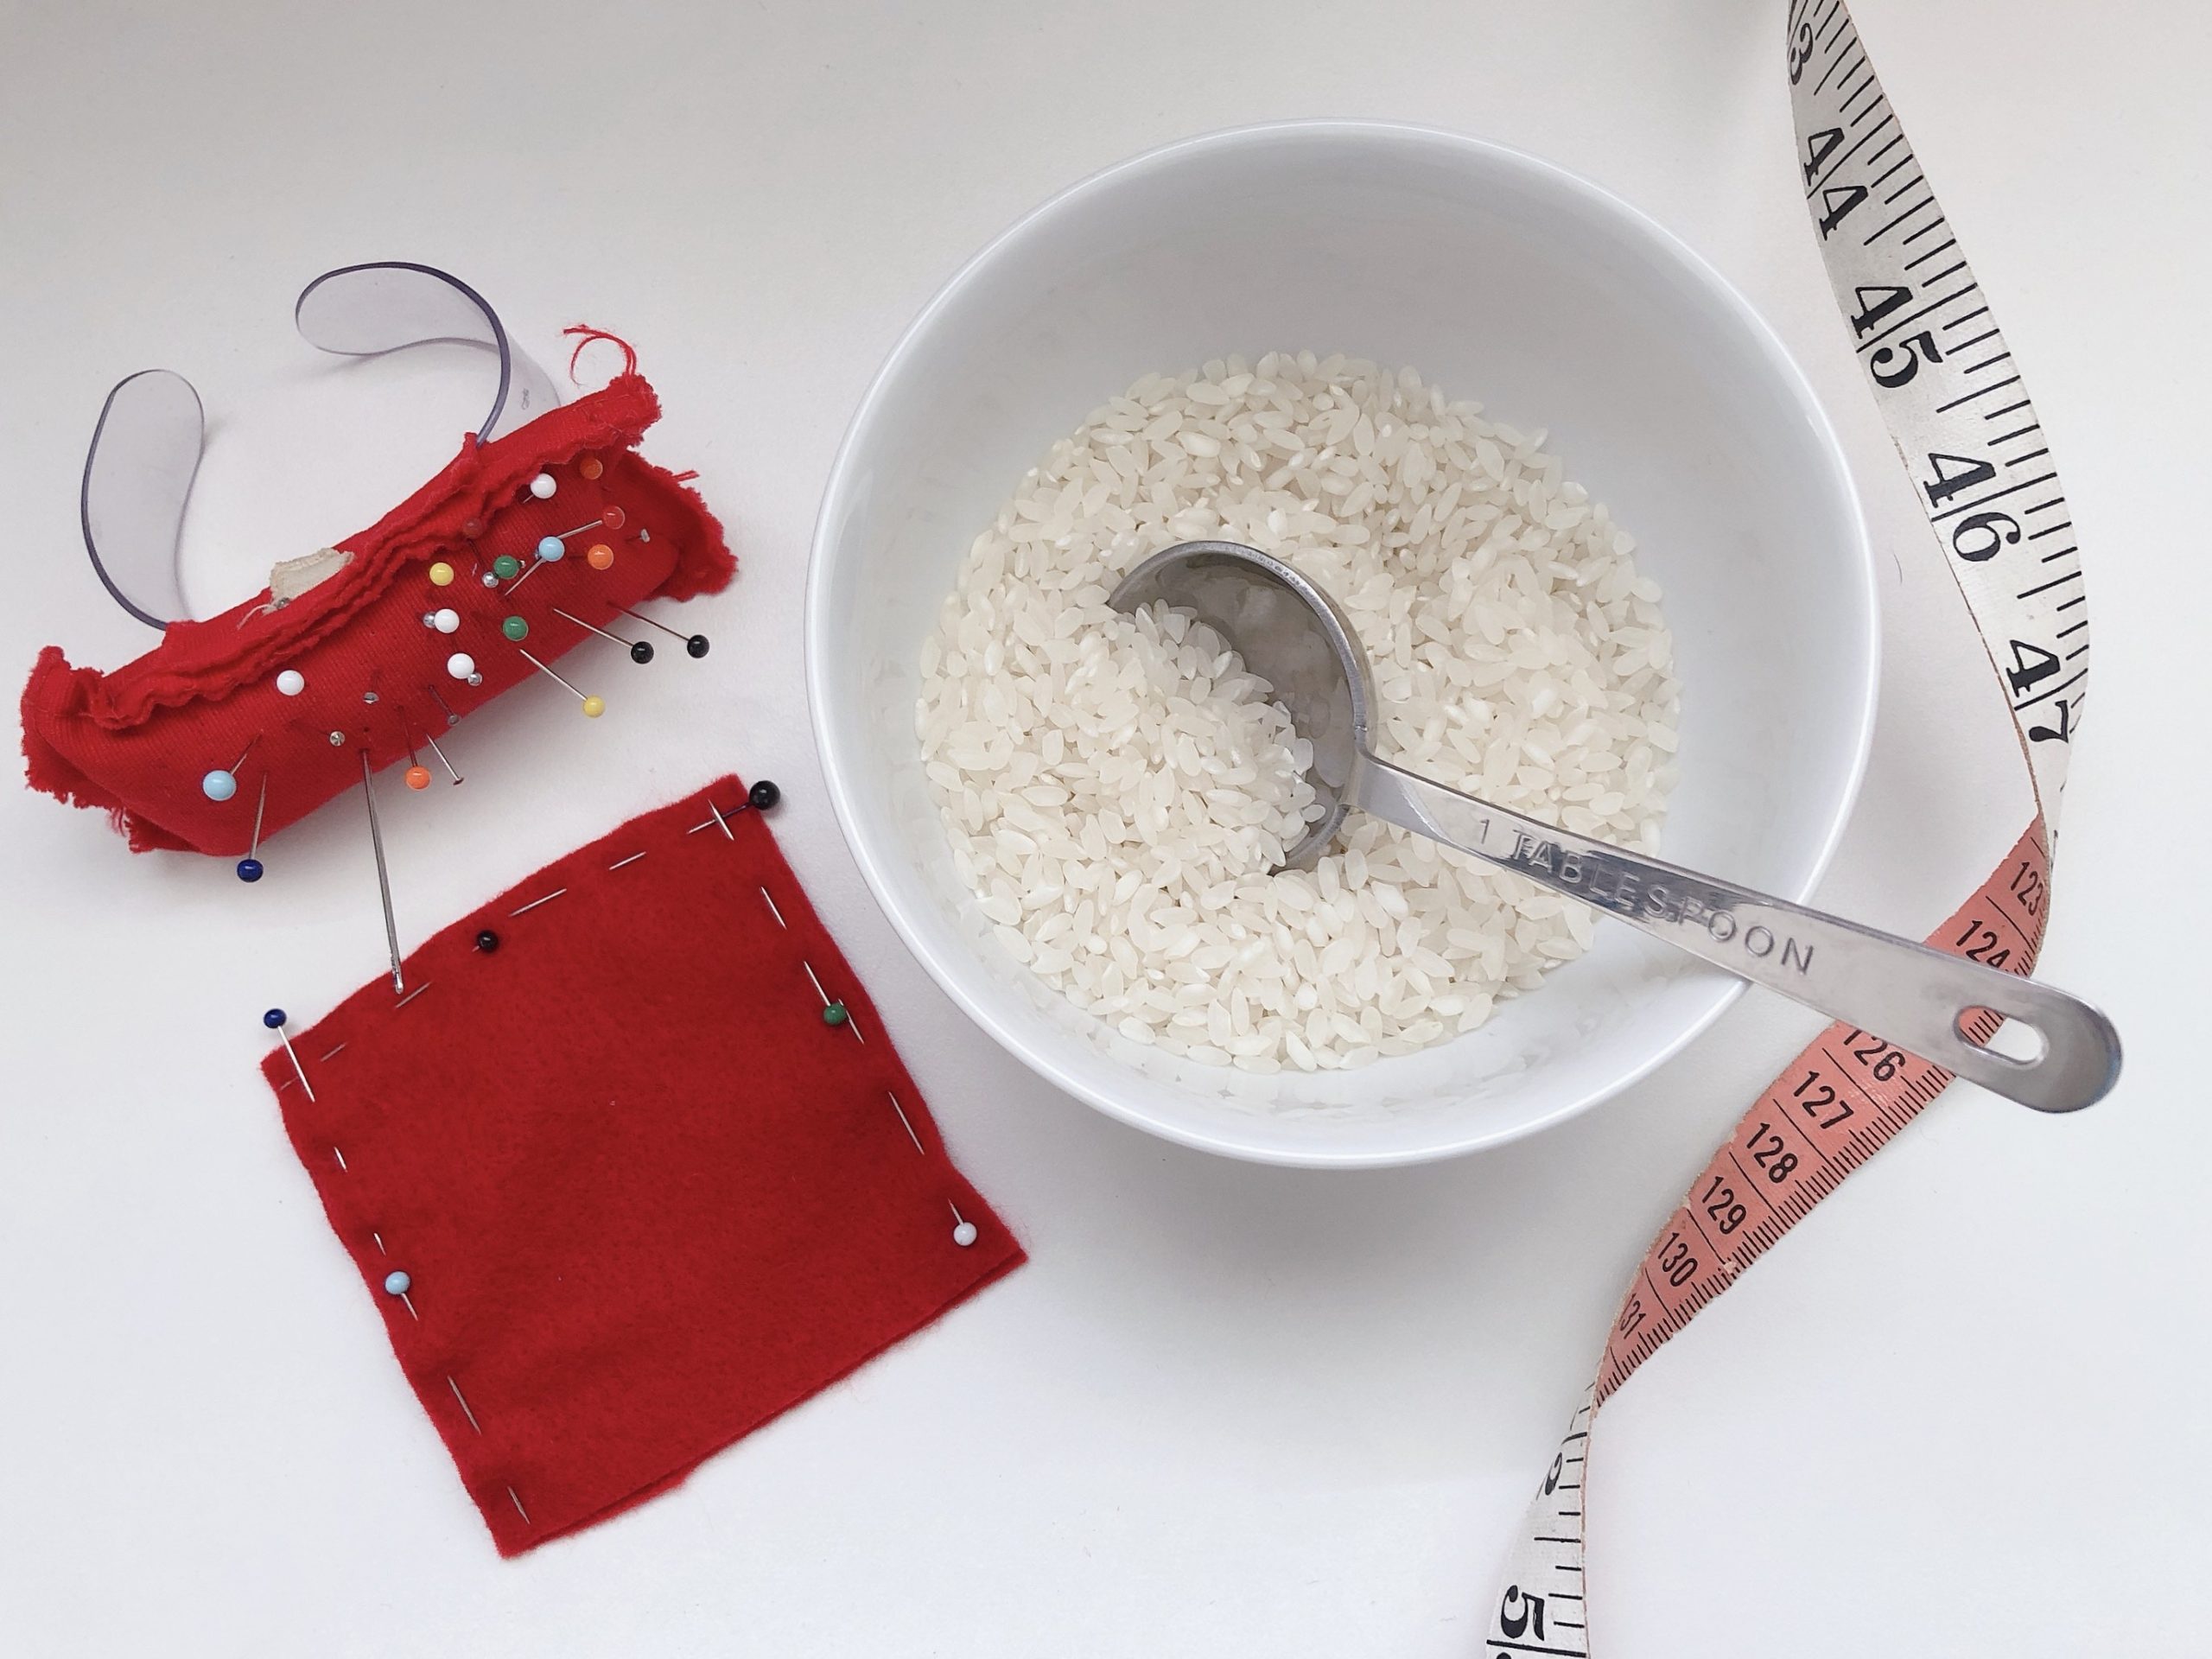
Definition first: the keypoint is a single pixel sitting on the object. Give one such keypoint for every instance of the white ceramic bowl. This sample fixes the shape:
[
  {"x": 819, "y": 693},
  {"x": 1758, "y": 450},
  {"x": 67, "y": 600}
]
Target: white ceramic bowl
[{"x": 1503, "y": 280}]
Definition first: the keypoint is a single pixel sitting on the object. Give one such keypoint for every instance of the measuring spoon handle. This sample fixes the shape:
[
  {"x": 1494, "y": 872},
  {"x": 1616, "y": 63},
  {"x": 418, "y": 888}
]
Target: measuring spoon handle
[{"x": 1893, "y": 988}]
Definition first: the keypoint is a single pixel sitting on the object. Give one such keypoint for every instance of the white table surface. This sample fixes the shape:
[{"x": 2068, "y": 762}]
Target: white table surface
[{"x": 1225, "y": 1410}]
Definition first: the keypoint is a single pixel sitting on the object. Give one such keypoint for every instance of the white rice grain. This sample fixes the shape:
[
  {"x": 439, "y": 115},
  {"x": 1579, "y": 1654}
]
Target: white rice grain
[{"x": 1117, "y": 789}]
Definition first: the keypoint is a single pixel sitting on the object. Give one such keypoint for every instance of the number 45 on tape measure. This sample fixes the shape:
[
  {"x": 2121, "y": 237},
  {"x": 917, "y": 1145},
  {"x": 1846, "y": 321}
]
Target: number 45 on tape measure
[{"x": 1953, "y": 400}]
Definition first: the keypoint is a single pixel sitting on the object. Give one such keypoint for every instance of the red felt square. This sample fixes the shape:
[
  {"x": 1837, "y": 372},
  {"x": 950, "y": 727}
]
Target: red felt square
[{"x": 646, "y": 1196}]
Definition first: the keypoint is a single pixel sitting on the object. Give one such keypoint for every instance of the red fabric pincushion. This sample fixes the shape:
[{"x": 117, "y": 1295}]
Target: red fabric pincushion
[
  {"x": 137, "y": 742},
  {"x": 646, "y": 1196}
]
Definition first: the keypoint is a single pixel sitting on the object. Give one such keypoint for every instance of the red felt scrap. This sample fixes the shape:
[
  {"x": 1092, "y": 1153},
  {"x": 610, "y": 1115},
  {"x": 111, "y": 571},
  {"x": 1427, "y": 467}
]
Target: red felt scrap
[
  {"x": 646, "y": 1197},
  {"x": 137, "y": 742}
]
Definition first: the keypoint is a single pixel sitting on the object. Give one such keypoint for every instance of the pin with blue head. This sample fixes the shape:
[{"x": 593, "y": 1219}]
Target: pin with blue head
[
  {"x": 274, "y": 1019},
  {"x": 250, "y": 866}
]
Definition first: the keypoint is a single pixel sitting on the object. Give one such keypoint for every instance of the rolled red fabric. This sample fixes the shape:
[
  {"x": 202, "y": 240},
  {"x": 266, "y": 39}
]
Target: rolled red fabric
[
  {"x": 138, "y": 742},
  {"x": 645, "y": 1195}
]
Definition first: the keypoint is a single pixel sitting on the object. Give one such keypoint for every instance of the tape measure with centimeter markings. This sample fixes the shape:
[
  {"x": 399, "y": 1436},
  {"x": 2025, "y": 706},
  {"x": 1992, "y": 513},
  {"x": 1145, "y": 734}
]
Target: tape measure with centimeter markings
[{"x": 1953, "y": 400}]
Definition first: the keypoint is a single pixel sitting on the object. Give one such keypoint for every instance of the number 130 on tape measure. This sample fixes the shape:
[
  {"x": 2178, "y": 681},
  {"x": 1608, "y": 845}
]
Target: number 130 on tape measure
[{"x": 1954, "y": 403}]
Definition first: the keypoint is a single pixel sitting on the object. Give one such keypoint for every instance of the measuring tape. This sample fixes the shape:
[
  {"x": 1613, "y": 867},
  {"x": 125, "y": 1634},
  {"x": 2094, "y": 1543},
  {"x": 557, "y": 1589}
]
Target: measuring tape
[{"x": 1955, "y": 406}]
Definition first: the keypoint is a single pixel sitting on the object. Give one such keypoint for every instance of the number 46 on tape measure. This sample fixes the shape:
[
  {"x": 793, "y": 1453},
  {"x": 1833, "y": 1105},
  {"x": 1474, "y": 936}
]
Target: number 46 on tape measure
[{"x": 1953, "y": 400}]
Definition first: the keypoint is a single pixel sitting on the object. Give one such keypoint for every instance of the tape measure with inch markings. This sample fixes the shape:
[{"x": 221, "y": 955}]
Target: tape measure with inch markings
[{"x": 1954, "y": 402}]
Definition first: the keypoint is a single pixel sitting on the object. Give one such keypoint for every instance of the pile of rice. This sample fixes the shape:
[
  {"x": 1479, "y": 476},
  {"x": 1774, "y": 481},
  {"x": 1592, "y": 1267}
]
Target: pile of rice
[{"x": 1117, "y": 791}]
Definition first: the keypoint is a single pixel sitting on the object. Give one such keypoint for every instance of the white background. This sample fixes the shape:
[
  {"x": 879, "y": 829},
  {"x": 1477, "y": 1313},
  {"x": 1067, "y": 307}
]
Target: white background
[{"x": 1225, "y": 1410}]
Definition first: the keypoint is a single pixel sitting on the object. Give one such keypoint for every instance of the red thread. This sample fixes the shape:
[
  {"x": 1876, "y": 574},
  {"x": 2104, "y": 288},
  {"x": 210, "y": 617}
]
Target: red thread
[{"x": 590, "y": 334}]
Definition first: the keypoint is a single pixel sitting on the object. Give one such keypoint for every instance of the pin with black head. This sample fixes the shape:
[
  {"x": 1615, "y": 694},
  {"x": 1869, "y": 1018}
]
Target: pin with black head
[
  {"x": 695, "y": 645},
  {"x": 639, "y": 651},
  {"x": 760, "y": 798}
]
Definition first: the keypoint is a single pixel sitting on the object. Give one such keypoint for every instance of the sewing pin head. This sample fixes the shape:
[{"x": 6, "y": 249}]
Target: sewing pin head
[
  {"x": 223, "y": 782},
  {"x": 593, "y": 707},
  {"x": 694, "y": 644},
  {"x": 275, "y": 1021},
  {"x": 639, "y": 651},
  {"x": 250, "y": 866}
]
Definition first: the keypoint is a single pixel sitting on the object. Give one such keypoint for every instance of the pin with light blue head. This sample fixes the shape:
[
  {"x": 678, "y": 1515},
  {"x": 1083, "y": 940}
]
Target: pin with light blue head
[
  {"x": 222, "y": 782},
  {"x": 274, "y": 1019}
]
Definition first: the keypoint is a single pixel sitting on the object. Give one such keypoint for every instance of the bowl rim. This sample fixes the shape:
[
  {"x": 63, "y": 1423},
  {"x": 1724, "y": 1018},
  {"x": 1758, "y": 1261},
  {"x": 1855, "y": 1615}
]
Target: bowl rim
[{"x": 1546, "y": 174}]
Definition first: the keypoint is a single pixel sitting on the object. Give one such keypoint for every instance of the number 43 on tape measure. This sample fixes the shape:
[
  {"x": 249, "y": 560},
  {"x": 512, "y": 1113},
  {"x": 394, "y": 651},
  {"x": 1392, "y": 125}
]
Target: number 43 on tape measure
[{"x": 1955, "y": 405}]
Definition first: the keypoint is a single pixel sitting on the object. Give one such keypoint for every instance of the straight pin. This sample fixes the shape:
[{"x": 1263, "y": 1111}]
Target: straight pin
[
  {"x": 250, "y": 866},
  {"x": 535, "y": 902},
  {"x": 384, "y": 877},
  {"x": 465, "y": 1411},
  {"x": 724, "y": 822},
  {"x": 440, "y": 754},
  {"x": 694, "y": 644},
  {"x": 594, "y": 707},
  {"x": 639, "y": 651},
  {"x": 452, "y": 719},
  {"x": 816, "y": 978},
  {"x": 580, "y": 529},
  {"x": 905, "y": 1122},
  {"x": 223, "y": 782},
  {"x": 275, "y": 1021}
]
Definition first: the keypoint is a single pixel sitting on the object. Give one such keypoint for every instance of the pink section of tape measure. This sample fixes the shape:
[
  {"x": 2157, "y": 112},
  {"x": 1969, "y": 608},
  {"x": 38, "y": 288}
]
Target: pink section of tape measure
[{"x": 1954, "y": 401}]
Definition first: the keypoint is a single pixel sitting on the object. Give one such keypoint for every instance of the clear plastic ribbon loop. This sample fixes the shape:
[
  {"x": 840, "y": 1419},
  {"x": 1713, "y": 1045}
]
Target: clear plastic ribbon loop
[{"x": 145, "y": 450}]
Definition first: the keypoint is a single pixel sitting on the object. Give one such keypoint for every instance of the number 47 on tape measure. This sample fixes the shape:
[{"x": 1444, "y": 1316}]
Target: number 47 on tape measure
[{"x": 1955, "y": 405}]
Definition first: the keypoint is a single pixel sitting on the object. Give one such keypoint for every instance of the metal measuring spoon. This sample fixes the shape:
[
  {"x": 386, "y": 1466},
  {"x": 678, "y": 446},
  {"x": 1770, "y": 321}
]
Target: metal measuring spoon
[{"x": 1293, "y": 636}]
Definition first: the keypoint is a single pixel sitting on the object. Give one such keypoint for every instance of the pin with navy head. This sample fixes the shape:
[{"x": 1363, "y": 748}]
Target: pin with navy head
[
  {"x": 695, "y": 645},
  {"x": 250, "y": 866},
  {"x": 274, "y": 1019}
]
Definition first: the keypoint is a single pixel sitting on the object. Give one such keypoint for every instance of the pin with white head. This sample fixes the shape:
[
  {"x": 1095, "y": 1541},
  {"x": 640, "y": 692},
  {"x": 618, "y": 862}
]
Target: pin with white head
[{"x": 274, "y": 1019}]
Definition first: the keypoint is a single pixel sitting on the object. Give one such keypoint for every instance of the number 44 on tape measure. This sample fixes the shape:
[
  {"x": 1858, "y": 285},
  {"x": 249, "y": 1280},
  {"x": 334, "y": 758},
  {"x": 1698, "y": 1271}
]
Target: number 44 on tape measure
[{"x": 1955, "y": 405}]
